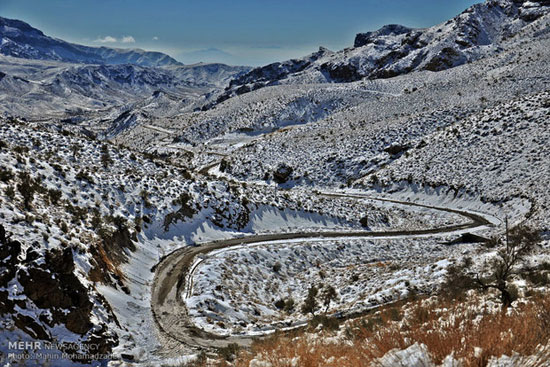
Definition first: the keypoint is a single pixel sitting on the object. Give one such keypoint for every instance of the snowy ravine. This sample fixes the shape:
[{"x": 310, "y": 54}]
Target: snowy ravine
[
  {"x": 159, "y": 210},
  {"x": 114, "y": 213},
  {"x": 175, "y": 276}
]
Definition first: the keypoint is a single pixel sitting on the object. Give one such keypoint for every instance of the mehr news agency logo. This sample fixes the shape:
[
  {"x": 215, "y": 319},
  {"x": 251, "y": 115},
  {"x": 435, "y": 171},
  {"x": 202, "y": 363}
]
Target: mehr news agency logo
[{"x": 40, "y": 350}]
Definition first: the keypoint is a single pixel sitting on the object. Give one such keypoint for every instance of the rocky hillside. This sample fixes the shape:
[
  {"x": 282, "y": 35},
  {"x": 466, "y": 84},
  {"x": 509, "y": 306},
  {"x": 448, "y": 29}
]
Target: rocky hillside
[
  {"x": 43, "y": 78},
  {"x": 355, "y": 133},
  {"x": 59, "y": 91},
  {"x": 395, "y": 49},
  {"x": 83, "y": 222},
  {"x": 399, "y": 133}
]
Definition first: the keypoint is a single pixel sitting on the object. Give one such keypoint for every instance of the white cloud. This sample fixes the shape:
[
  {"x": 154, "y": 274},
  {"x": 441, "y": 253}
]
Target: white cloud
[
  {"x": 155, "y": 38},
  {"x": 128, "y": 39},
  {"x": 106, "y": 39}
]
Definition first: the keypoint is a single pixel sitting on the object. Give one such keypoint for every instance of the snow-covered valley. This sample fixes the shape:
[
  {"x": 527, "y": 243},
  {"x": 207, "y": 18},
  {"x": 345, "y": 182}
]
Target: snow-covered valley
[{"x": 166, "y": 213}]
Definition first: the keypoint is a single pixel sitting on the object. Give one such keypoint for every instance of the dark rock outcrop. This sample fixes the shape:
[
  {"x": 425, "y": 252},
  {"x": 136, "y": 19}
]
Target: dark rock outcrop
[
  {"x": 278, "y": 70},
  {"x": 362, "y": 39},
  {"x": 282, "y": 173},
  {"x": 111, "y": 252},
  {"x": 396, "y": 149},
  {"x": 342, "y": 73},
  {"x": 50, "y": 285}
]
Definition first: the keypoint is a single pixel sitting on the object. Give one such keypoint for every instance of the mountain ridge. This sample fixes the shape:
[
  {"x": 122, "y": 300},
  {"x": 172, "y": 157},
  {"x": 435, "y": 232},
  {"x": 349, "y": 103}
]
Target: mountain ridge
[
  {"x": 395, "y": 49},
  {"x": 20, "y": 39},
  {"x": 42, "y": 90}
]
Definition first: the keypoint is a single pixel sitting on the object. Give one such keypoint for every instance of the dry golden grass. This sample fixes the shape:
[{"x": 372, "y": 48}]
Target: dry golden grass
[{"x": 444, "y": 327}]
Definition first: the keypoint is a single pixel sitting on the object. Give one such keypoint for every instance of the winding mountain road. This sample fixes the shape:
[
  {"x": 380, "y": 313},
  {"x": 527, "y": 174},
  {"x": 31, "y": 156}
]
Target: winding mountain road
[{"x": 174, "y": 273}]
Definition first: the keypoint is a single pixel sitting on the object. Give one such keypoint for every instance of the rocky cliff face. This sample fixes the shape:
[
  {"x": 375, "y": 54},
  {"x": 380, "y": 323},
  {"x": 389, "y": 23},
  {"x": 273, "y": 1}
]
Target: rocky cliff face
[
  {"x": 395, "y": 49},
  {"x": 269, "y": 75},
  {"x": 363, "y": 39},
  {"x": 40, "y": 294}
]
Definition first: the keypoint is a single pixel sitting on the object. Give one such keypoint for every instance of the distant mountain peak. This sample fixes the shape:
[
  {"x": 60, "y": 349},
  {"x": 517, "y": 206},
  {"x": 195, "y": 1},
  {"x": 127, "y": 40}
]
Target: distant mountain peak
[
  {"x": 363, "y": 39},
  {"x": 395, "y": 49},
  {"x": 18, "y": 25},
  {"x": 19, "y": 39}
]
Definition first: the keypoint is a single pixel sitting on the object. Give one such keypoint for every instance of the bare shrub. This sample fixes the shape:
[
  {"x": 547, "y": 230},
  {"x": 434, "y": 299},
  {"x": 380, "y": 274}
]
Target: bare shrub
[{"x": 444, "y": 326}]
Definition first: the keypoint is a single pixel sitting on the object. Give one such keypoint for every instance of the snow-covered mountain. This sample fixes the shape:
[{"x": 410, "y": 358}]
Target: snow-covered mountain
[
  {"x": 87, "y": 224},
  {"x": 43, "y": 78},
  {"x": 42, "y": 90},
  {"x": 394, "y": 49},
  {"x": 19, "y": 39}
]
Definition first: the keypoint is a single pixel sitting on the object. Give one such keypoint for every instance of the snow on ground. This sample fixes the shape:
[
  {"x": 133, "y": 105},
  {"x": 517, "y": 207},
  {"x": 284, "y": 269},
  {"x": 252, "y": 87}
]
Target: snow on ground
[
  {"x": 144, "y": 190},
  {"x": 473, "y": 137},
  {"x": 501, "y": 154},
  {"x": 235, "y": 290},
  {"x": 361, "y": 139}
]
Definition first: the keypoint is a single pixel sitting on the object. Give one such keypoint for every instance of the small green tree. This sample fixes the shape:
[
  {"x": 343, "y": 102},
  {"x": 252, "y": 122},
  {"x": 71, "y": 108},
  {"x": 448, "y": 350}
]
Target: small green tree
[
  {"x": 10, "y": 192},
  {"x": 517, "y": 245},
  {"x": 229, "y": 352},
  {"x": 289, "y": 305},
  {"x": 97, "y": 220},
  {"x": 27, "y": 189}
]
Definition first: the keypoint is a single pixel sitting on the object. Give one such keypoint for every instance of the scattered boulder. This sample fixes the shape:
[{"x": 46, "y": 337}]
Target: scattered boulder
[
  {"x": 127, "y": 357},
  {"x": 282, "y": 173},
  {"x": 396, "y": 149},
  {"x": 468, "y": 238},
  {"x": 31, "y": 327},
  {"x": 61, "y": 260}
]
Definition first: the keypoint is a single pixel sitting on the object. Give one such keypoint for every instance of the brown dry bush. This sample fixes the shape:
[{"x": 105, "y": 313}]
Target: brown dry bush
[
  {"x": 444, "y": 327},
  {"x": 282, "y": 352}
]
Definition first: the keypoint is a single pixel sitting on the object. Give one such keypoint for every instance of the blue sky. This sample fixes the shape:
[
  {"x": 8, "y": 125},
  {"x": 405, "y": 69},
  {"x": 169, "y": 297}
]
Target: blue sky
[{"x": 245, "y": 32}]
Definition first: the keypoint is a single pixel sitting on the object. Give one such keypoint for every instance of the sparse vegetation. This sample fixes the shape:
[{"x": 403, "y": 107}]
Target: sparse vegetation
[
  {"x": 498, "y": 272},
  {"x": 106, "y": 159},
  {"x": 10, "y": 192},
  {"x": 310, "y": 304},
  {"x": 230, "y": 352},
  {"x": 27, "y": 188},
  {"x": 473, "y": 337},
  {"x": 472, "y": 136},
  {"x": 328, "y": 323},
  {"x": 83, "y": 175},
  {"x": 329, "y": 294}
]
